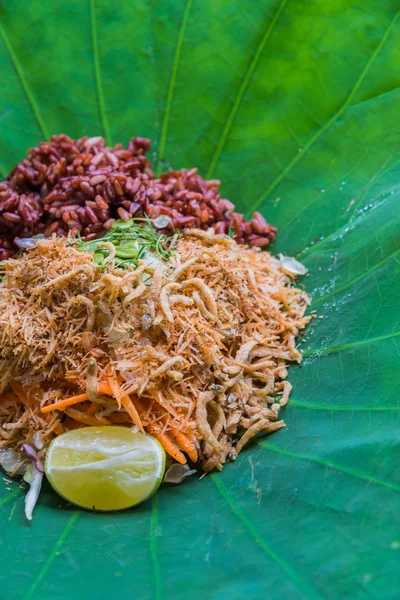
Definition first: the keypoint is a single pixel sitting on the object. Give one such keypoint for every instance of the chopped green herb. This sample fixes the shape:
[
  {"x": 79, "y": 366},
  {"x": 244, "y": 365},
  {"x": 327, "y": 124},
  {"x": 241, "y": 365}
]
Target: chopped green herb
[{"x": 132, "y": 240}]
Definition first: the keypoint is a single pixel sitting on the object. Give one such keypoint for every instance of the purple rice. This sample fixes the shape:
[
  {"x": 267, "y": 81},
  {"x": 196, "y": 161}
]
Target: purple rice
[{"x": 84, "y": 186}]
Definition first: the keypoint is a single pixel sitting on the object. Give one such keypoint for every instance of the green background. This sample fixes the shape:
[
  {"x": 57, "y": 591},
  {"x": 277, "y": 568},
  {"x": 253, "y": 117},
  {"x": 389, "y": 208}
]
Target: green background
[{"x": 294, "y": 104}]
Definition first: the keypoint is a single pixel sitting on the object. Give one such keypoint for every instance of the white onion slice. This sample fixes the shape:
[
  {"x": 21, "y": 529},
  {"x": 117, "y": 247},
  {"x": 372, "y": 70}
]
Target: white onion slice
[
  {"x": 34, "y": 478},
  {"x": 162, "y": 221},
  {"x": 9, "y": 459},
  {"x": 24, "y": 243},
  {"x": 292, "y": 265},
  {"x": 177, "y": 473},
  {"x": 37, "y": 441}
]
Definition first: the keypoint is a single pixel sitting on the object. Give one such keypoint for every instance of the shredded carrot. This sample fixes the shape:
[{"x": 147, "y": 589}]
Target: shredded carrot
[
  {"x": 130, "y": 408},
  {"x": 86, "y": 419},
  {"x": 104, "y": 388},
  {"x": 169, "y": 446},
  {"x": 126, "y": 402},
  {"x": 139, "y": 404},
  {"x": 115, "y": 388},
  {"x": 185, "y": 444},
  {"x": 190, "y": 434},
  {"x": 92, "y": 408},
  {"x": 62, "y": 404}
]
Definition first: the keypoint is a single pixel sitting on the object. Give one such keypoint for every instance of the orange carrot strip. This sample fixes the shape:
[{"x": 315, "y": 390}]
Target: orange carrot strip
[
  {"x": 165, "y": 441},
  {"x": 103, "y": 388},
  {"x": 185, "y": 444},
  {"x": 139, "y": 404},
  {"x": 92, "y": 408},
  {"x": 126, "y": 402},
  {"x": 168, "y": 445},
  {"x": 86, "y": 419},
  {"x": 64, "y": 403},
  {"x": 115, "y": 389},
  {"x": 190, "y": 434},
  {"x": 130, "y": 408}
]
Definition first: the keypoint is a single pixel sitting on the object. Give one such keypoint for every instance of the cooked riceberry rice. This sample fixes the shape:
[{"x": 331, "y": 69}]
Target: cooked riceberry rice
[{"x": 83, "y": 186}]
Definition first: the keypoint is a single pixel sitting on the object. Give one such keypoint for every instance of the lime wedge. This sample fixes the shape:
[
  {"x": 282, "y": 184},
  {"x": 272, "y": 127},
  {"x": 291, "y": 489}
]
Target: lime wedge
[{"x": 105, "y": 468}]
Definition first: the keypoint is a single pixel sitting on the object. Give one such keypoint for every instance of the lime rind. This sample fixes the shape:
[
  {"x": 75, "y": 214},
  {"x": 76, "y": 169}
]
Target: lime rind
[{"x": 105, "y": 468}]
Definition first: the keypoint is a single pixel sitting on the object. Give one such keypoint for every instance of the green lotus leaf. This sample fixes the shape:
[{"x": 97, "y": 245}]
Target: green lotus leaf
[{"x": 294, "y": 105}]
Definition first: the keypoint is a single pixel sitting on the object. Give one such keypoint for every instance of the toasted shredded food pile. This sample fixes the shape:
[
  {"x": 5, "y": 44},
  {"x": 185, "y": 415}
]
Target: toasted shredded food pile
[{"x": 195, "y": 354}]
